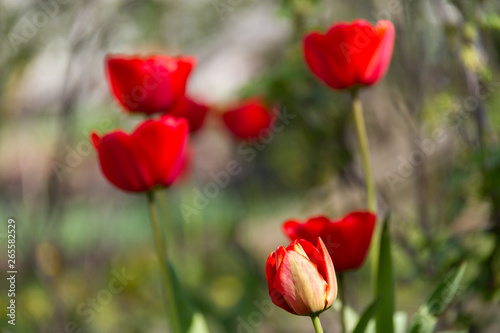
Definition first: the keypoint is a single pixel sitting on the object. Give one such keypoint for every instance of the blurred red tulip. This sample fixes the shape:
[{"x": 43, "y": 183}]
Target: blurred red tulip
[
  {"x": 191, "y": 110},
  {"x": 301, "y": 278},
  {"x": 350, "y": 54},
  {"x": 248, "y": 120},
  {"x": 153, "y": 155},
  {"x": 347, "y": 240},
  {"x": 148, "y": 85}
]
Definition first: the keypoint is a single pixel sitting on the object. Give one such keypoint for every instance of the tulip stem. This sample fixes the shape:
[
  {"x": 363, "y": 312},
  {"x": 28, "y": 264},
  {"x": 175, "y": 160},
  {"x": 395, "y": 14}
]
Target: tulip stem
[
  {"x": 365, "y": 153},
  {"x": 343, "y": 297},
  {"x": 317, "y": 324},
  {"x": 370, "y": 184},
  {"x": 160, "y": 249}
]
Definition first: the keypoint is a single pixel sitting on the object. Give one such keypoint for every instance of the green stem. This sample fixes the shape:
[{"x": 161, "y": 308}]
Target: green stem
[
  {"x": 160, "y": 249},
  {"x": 317, "y": 324},
  {"x": 365, "y": 154},
  {"x": 343, "y": 297},
  {"x": 370, "y": 184}
]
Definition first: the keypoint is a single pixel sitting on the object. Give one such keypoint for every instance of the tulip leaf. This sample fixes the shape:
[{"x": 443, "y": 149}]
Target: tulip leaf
[
  {"x": 366, "y": 317},
  {"x": 446, "y": 290},
  {"x": 384, "y": 321},
  {"x": 191, "y": 321},
  {"x": 427, "y": 317}
]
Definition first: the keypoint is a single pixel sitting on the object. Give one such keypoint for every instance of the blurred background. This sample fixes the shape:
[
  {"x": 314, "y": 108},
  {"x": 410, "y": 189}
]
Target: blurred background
[{"x": 432, "y": 122}]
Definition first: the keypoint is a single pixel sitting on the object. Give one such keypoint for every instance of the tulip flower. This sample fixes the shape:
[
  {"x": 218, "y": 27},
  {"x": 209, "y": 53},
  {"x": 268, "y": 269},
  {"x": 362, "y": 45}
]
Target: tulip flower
[
  {"x": 153, "y": 155},
  {"x": 191, "y": 110},
  {"x": 247, "y": 120},
  {"x": 148, "y": 85},
  {"x": 301, "y": 278},
  {"x": 352, "y": 54},
  {"x": 347, "y": 239}
]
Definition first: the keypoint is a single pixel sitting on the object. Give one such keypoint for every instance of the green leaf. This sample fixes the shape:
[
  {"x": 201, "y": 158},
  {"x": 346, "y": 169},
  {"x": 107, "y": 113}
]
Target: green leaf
[
  {"x": 366, "y": 316},
  {"x": 384, "y": 322},
  {"x": 446, "y": 290},
  {"x": 426, "y": 319},
  {"x": 191, "y": 321}
]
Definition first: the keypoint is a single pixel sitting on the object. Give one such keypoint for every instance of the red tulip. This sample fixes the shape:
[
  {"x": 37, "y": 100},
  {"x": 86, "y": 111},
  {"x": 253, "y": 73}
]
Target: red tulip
[
  {"x": 350, "y": 54},
  {"x": 248, "y": 120},
  {"x": 347, "y": 240},
  {"x": 153, "y": 155},
  {"x": 191, "y": 110},
  {"x": 148, "y": 85},
  {"x": 301, "y": 278}
]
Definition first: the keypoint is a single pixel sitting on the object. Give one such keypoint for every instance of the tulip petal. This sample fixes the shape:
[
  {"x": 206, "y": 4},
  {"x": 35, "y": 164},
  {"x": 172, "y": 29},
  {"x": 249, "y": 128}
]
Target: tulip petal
[
  {"x": 164, "y": 142},
  {"x": 295, "y": 246},
  {"x": 275, "y": 295},
  {"x": 271, "y": 270},
  {"x": 122, "y": 163},
  {"x": 280, "y": 254},
  {"x": 310, "y": 232},
  {"x": 326, "y": 65},
  {"x": 325, "y": 267},
  {"x": 344, "y": 51},
  {"x": 381, "y": 58},
  {"x": 95, "y": 139},
  {"x": 352, "y": 237},
  {"x": 360, "y": 35},
  {"x": 289, "y": 228},
  {"x": 180, "y": 76},
  {"x": 306, "y": 249}
]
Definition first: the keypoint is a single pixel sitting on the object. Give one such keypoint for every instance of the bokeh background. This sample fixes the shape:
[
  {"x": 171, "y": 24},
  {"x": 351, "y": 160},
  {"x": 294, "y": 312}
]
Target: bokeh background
[{"x": 432, "y": 123}]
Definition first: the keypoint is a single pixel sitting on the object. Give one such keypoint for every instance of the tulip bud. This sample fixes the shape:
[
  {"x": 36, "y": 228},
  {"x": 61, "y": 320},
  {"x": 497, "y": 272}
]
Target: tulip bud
[{"x": 301, "y": 278}]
